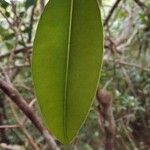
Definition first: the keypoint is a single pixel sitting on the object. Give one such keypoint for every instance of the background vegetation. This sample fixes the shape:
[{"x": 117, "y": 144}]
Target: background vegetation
[{"x": 125, "y": 73}]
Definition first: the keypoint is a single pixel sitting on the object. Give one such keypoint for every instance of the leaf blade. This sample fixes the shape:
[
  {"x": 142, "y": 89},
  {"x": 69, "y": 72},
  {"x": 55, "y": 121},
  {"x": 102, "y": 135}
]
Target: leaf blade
[
  {"x": 85, "y": 56},
  {"x": 54, "y": 47},
  {"x": 58, "y": 93}
]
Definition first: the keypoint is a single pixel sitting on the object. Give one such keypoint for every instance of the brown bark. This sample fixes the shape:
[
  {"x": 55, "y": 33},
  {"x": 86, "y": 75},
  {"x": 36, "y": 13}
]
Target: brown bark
[
  {"x": 14, "y": 95},
  {"x": 106, "y": 117}
]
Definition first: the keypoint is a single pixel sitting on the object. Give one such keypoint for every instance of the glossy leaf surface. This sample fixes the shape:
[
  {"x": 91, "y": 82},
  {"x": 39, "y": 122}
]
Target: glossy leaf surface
[{"x": 66, "y": 62}]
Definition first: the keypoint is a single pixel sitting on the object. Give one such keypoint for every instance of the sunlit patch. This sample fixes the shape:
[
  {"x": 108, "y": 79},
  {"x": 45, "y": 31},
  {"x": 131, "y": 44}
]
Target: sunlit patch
[{"x": 14, "y": 1}]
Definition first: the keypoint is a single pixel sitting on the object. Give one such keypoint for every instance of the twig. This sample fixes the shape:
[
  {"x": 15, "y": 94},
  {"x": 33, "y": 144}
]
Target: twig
[
  {"x": 106, "y": 117},
  {"x": 140, "y": 4},
  {"x": 30, "y": 105},
  {"x": 10, "y": 24},
  {"x": 129, "y": 137},
  {"x": 23, "y": 129},
  {"x": 9, "y": 126},
  {"x": 111, "y": 12},
  {"x": 20, "y": 50},
  {"x": 107, "y": 83},
  {"x": 128, "y": 80},
  {"x": 133, "y": 65},
  {"x": 14, "y": 95},
  {"x": 31, "y": 23},
  {"x": 121, "y": 62},
  {"x": 20, "y": 66}
]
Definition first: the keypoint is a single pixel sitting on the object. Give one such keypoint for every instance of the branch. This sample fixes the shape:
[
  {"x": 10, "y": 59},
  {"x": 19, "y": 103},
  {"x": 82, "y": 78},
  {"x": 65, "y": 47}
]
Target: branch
[
  {"x": 106, "y": 117},
  {"x": 14, "y": 95},
  {"x": 31, "y": 23},
  {"x": 9, "y": 126},
  {"x": 140, "y": 4},
  {"x": 20, "y": 50},
  {"x": 111, "y": 12},
  {"x": 133, "y": 65}
]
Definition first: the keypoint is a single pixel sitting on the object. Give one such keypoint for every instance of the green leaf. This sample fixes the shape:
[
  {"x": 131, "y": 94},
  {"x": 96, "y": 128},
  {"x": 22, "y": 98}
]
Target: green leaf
[{"x": 66, "y": 62}]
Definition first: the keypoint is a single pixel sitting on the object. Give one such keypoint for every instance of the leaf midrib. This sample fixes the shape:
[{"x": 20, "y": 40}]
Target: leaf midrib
[{"x": 66, "y": 73}]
